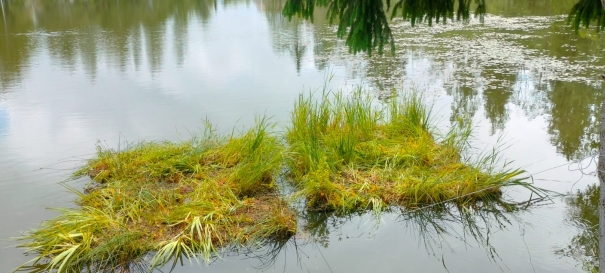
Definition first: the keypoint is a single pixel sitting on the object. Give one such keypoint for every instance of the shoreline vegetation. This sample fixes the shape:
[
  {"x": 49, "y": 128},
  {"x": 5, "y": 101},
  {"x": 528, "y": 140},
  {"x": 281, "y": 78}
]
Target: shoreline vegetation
[{"x": 341, "y": 153}]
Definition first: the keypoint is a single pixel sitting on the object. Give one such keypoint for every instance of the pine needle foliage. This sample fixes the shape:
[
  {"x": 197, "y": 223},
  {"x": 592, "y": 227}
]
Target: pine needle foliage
[
  {"x": 587, "y": 12},
  {"x": 365, "y": 23},
  {"x": 438, "y": 11},
  {"x": 347, "y": 154},
  {"x": 172, "y": 200}
]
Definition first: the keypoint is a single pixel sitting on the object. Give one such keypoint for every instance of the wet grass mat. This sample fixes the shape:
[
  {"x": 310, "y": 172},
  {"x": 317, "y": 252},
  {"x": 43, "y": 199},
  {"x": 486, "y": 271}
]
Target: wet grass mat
[{"x": 175, "y": 200}]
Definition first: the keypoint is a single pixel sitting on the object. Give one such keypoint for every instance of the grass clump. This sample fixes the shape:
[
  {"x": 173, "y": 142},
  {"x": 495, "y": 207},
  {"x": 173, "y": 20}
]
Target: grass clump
[
  {"x": 347, "y": 153},
  {"x": 172, "y": 200}
]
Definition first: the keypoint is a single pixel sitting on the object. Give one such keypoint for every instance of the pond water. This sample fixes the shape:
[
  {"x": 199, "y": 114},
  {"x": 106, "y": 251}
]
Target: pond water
[{"x": 76, "y": 72}]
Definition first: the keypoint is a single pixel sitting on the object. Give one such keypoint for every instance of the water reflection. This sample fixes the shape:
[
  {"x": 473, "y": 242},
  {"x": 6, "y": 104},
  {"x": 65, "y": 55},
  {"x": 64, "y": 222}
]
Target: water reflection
[
  {"x": 534, "y": 63},
  {"x": 530, "y": 8},
  {"x": 574, "y": 124},
  {"x": 290, "y": 37},
  {"x": 583, "y": 212},
  {"x": 3, "y": 121},
  {"x": 75, "y": 31},
  {"x": 436, "y": 229}
]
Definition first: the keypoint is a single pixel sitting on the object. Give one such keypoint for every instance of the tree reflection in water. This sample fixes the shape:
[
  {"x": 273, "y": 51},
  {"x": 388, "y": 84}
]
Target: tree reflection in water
[
  {"x": 435, "y": 226},
  {"x": 583, "y": 213}
]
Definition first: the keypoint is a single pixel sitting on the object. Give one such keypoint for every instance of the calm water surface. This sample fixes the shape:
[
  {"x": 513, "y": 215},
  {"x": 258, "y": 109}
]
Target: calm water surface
[{"x": 76, "y": 72}]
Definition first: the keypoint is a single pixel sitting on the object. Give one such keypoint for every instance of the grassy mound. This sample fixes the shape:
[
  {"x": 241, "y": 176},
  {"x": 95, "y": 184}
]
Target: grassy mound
[
  {"x": 173, "y": 200},
  {"x": 347, "y": 154}
]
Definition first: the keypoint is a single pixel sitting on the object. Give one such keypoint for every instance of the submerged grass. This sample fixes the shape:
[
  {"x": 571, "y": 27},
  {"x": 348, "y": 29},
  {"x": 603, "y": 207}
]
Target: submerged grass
[
  {"x": 348, "y": 154},
  {"x": 172, "y": 200}
]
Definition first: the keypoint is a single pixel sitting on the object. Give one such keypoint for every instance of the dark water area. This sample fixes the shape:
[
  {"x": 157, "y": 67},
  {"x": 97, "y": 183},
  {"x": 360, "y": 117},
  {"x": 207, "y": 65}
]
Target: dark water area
[{"x": 76, "y": 72}]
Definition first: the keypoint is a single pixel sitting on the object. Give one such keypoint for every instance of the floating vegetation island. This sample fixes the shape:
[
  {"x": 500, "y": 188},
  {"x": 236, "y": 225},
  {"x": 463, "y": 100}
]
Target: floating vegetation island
[
  {"x": 174, "y": 200},
  {"x": 195, "y": 198},
  {"x": 349, "y": 154}
]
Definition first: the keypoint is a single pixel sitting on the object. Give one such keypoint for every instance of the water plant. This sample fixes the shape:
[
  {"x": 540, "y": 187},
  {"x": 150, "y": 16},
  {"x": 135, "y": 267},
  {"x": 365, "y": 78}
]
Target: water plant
[
  {"x": 348, "y": 153},
  {"x": 169, "y": 200}
]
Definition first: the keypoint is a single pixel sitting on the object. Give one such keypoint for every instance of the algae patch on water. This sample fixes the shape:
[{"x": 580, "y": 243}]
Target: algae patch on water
[
  {"x": 349, "y": 153},
  {"x": 172, "y": 200}
]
